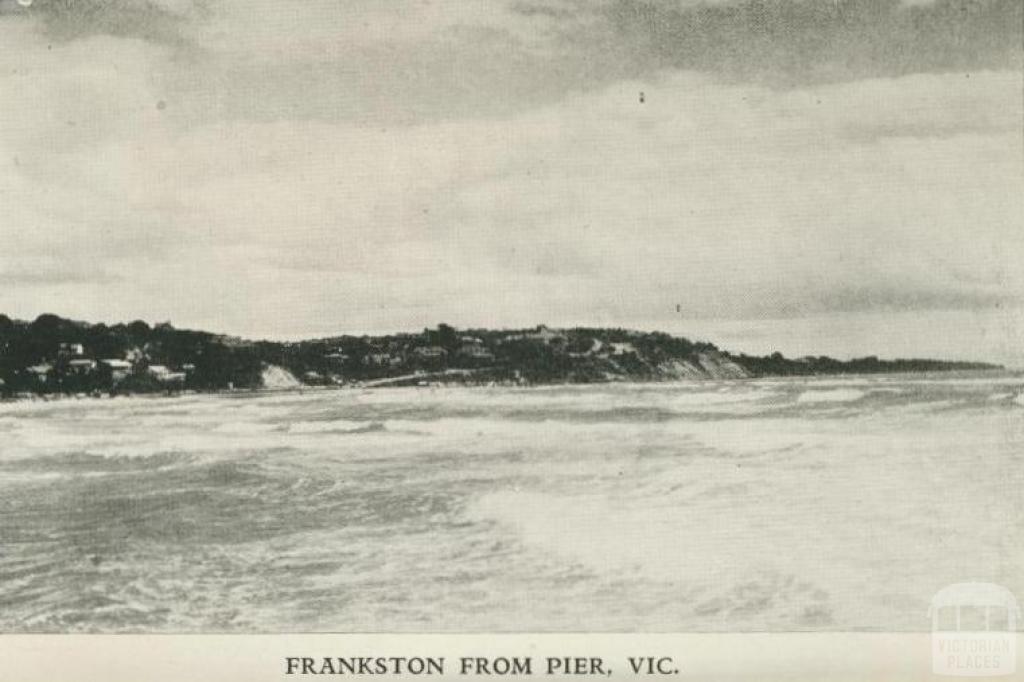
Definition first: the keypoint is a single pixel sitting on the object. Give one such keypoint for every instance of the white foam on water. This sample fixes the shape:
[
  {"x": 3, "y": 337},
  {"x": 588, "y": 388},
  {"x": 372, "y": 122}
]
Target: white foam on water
[
  {"x": 720, "y": 397},
  {"x": 838, "y": 395},
  {"x": 622, "y": 511},
  {"x": 749, "y": 436},
  {"x": 245, "y": 427},
  {"x": 334, "y": 426}
]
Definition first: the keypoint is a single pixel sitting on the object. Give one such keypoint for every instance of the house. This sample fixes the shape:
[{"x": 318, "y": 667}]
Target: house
[
  {"x": 81, "y": 366},
  {"x": 379, "y": 359},
  {"x": 164, "y": 375},
  {"x": 430, "y": 352},
  {"x": 118, "y": 370},
  {"x": 542, "y": 334},
  {"x": 158, "y": 371},
  {"x": 41, "y": 373},
  {"x": 70, "y": 350},
  {"x": 475, "y": 351},
  {"x": 621, "y": 348},
  {"x": 336, "y": 360}
]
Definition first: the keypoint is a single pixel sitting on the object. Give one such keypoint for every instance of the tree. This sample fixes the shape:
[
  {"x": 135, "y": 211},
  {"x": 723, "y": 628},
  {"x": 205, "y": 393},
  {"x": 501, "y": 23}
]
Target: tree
[{"x": 448, "y": 338}]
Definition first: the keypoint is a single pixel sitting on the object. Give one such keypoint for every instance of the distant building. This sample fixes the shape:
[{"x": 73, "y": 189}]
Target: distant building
[
  {"x": 235, "y": 342},
  {"x": 164, "y": 375},
  {"x": 81, "y": 366},
  {"x": 475, "y": 351},
  {"x": 158, "y": 371},
  {"x": 117, "y": 370},
  {"x": 621, "y": 348},
  {"x": 70, "y": 350},
  {"x": 542, "y": 334},
  {"x": 336, "y": 360},
  {"x": 41, "y": 373},
  {"x": 380, "y": 359},
  {"x": 430, "y": 352}
]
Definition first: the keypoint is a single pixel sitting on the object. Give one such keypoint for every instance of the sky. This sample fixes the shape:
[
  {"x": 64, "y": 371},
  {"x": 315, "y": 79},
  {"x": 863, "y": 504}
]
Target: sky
[{"x": 811, "y": 176}]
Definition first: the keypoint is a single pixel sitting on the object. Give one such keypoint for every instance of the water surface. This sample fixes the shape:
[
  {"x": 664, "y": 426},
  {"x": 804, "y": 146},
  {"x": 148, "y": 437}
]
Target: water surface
[{"x": 785, "y": 504}]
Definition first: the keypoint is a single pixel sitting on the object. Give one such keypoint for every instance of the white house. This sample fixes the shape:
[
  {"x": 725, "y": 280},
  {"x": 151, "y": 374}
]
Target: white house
[{"x": 118, "y": 369}]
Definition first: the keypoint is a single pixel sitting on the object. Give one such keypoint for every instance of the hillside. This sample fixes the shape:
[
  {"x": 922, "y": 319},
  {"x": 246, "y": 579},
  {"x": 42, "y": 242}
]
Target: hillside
[{"x": 56, "y": 355}]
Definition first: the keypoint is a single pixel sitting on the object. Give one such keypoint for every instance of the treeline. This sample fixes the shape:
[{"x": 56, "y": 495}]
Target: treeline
[
  {"x": 778, "y": 365},
  {"x": 52, "y": 354},
  {"x": 27, "y": 348}
]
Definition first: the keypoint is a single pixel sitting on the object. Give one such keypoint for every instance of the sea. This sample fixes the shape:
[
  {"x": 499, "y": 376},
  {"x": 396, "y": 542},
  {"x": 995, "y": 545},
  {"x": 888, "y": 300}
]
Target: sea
[{"x": 794, "y": 504}]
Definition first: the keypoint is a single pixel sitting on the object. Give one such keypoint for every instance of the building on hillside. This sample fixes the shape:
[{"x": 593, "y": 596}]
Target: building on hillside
[
  {"x": 41, "y": 373},
  {"x": 164, "y": 375},
  {"x": 116, "y": 370},
  {"x": 429, "y": 352},
  {"x": 81, "y": 367},
  {"x": 475, "y": 351},
  {"x": 336, "y": 360},
  {"x": 621, "y": 348},
  {"x": 66, "y": 351},
  {"x": 379, "y": 358},
  {"x": 542, "y": 334}
]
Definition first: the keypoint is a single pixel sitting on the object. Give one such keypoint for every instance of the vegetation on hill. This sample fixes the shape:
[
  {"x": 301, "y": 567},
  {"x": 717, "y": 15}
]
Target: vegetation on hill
[{"x": 56, "y": 355}]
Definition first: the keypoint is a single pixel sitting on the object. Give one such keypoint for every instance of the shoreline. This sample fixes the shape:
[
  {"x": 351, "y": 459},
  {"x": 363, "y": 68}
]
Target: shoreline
[{"x": 428, "y": 381}]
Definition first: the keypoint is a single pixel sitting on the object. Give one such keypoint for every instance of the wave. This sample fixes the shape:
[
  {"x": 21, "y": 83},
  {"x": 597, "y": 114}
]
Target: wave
[
  {"x": 86, "y": 462},
  {"x": 339, "y": 426},
  {"x": 837, "y": 395},
  {"x": 245, "y": 427}
]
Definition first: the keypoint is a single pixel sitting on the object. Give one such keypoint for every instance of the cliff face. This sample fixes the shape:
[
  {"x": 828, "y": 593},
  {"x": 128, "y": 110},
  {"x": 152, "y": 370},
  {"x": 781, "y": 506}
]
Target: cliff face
[
  {"x": 278, "y": 378},
  {"x": 707, "y": 365}
]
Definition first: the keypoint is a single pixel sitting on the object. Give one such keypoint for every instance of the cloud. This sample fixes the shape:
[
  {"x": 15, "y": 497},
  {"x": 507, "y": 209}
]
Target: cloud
[
  {"x": 159, "y": 21},
  {"x": 48, "y": 273},
  {"x": 792, "y": 42},
  {"x": 320, "y": 167},
  {"x": 727, "y": 200},
  {"x": 406, "y": 63}
]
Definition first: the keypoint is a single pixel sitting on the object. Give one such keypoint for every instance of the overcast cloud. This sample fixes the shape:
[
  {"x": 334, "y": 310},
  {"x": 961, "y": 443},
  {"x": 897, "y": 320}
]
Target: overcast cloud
[{"x": 292, "y": 168}]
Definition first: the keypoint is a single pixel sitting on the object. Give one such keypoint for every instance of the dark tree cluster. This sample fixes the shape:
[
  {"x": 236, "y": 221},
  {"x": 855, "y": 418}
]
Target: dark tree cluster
[{"x": 56, "y": 355}]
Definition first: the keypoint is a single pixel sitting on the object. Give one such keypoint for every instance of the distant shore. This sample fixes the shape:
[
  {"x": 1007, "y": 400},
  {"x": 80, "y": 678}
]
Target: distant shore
[
  {"x": 459, "y": 380},
  {"x": 53, "y": 356}
]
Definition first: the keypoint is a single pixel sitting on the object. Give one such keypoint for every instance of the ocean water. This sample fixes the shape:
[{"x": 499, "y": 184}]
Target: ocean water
[{"x": 784, "y": 504}]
